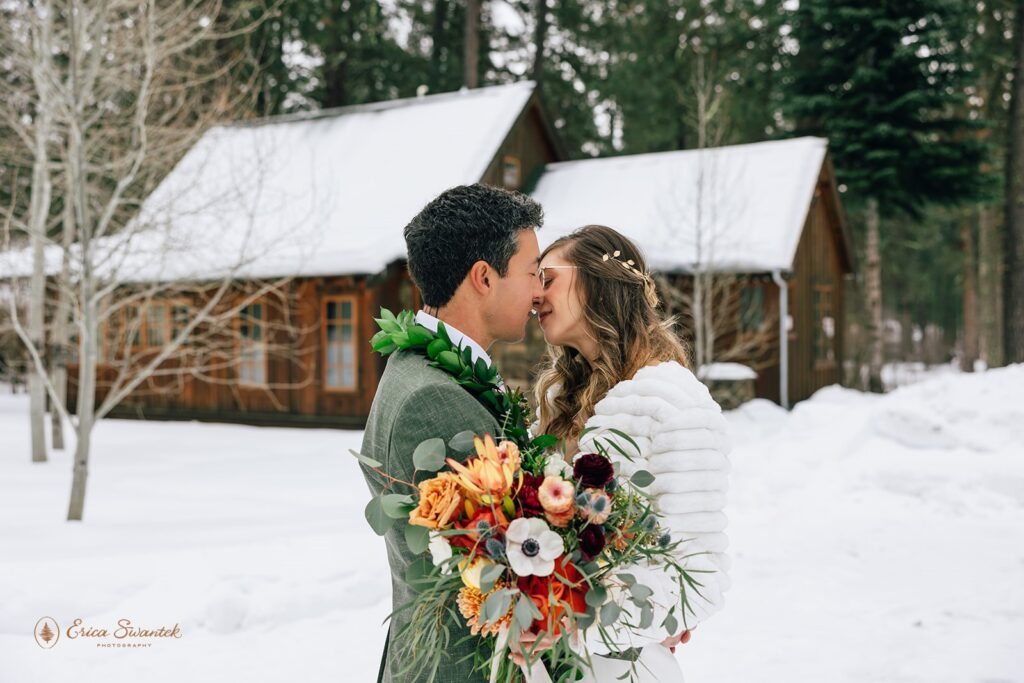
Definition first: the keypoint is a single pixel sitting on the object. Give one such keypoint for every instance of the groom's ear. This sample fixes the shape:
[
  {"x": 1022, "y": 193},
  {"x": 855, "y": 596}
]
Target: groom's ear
[{"x": 480, "y": 277}]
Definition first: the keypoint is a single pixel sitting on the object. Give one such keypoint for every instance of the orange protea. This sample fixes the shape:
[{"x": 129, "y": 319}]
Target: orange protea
[
  {"x": 471, "y": 601},
  {"x": 485, "y": 478},
  {"x": 507, "y": 453}
]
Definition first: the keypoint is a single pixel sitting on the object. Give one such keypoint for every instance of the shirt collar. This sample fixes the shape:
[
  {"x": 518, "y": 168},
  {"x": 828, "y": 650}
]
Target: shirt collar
[{"x": 430, "y": 322}]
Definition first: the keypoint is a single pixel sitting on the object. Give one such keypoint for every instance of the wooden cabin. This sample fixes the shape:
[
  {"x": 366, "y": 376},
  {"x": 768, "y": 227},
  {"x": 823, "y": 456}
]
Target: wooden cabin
[
  {"x": 750, "y": 216},
  {"x": 343, "y": 183},
  {"x": 317, "y": 203}
]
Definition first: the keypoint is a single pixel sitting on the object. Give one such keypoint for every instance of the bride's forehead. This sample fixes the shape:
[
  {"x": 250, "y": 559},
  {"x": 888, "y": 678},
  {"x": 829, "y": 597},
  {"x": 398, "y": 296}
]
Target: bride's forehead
[{"x": 555, "y": 257}]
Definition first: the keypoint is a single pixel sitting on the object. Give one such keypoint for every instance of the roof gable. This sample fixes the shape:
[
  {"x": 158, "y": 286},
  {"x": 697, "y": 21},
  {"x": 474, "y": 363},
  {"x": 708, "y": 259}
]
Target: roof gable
[{"x": 740, "y": 208}]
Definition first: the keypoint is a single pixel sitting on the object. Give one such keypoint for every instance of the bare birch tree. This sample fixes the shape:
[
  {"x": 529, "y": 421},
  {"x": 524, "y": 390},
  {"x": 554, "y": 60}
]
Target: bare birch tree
[
  {"x": 127, "y": 88},
  {"x": 724, "y": 327}
]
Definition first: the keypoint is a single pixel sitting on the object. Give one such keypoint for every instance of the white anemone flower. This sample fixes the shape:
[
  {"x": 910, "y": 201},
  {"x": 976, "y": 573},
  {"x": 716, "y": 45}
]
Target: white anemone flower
[
  {"x": 532, "y": 547},
  {"x": 440, "y": 550}
]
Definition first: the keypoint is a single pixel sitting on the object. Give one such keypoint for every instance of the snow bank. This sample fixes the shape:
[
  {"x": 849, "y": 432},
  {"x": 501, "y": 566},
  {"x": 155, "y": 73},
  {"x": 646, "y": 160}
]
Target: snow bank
[{"x": 862, "y": 551}]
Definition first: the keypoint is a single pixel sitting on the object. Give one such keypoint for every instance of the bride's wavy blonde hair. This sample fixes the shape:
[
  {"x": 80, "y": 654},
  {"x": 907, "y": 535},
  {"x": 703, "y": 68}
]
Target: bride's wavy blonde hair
[{"x": 620, "y": 310}]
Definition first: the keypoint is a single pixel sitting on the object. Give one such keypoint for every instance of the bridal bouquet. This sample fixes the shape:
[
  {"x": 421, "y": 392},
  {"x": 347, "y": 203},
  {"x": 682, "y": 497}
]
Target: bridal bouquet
[{"x": 533, "y": 554}]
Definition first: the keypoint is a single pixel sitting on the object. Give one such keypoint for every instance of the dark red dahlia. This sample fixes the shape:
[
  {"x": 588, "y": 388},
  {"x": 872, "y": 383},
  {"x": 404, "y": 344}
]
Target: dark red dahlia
[
  {"x": 592, "y": 541},
  {"x": 528, "y": 499},
  {"x": 593, "y": 470}
]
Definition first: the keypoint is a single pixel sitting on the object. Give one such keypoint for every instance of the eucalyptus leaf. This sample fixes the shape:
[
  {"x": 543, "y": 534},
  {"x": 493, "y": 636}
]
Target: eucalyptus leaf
[
  {"x": 417, "y": 538},
  {"x": 642, "y": 478},
  {"x": 496, "y": 605},
  {"x": 396, "y": 505},
  {"x": 671, "y": 624},
  {"x": 489, "y": 576},
  {"x": 379, "y": 521},
  {"x": 522, "y": 613},
  {"x": 418, "y": 574},
  {"x": 429, "y": 455},
  {"x": 640, "y": 591},
  {"x": 626, "y": 578},
  {"x": 610, "y": 613},
  {"x": 462, "y": 442},
  {"x": 596, "y": 596},
  {"x": 365, "y": 459},
  {"x": 646, "y": 616}
]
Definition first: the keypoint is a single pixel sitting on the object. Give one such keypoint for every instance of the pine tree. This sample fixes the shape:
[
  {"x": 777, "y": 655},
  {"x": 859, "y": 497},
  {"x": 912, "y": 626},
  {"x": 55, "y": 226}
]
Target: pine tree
[{"x": 885, "y": 83}]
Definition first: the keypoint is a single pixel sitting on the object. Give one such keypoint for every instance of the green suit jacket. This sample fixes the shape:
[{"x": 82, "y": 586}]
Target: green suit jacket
[{"x": 415, "y": 402}]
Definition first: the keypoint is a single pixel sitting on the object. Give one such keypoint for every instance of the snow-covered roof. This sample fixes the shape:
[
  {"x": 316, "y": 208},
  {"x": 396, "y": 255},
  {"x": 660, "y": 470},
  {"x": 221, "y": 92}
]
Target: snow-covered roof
[
  {"x": 319, "y": 194},
  {"x": 739, "y": 208}
]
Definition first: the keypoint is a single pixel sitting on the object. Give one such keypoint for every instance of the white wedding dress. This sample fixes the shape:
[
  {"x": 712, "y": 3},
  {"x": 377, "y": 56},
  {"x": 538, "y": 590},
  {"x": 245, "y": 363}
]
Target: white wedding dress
[{"x": 684, "y": 443}]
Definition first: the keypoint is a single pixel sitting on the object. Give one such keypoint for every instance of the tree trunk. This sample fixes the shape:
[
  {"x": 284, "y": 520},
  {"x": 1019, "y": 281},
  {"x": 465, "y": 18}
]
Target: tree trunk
[
  {"x": 990, "y": 296},
  {"x": 906, "y": 334},
  {"x": 969, "y": 352},
  {"x": 437, "y": 43},
  {"x": 85, "y": 409},
  {"x": 873, "y": 296},
  {"x": 1013, "y": 229},
  {"x": 39, "y": 212},
  {"x": 471, "y": 41},
  {"x": 539, "y": 39},
  {"x": 61, "y": 341},
  {"x": 89, "y": 330}
]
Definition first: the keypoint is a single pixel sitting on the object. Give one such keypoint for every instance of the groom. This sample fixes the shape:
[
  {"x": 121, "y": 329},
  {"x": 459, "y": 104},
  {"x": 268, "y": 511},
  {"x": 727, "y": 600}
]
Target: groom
[{"x": 473, "y": 253}]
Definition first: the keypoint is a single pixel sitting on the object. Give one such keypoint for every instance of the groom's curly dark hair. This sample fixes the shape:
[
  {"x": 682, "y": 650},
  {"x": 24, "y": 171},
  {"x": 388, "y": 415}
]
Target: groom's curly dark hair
[{"x": 463, "y": 225}]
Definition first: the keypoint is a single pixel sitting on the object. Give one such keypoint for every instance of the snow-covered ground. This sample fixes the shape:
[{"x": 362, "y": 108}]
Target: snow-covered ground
[{"x": 873, "y": 539}]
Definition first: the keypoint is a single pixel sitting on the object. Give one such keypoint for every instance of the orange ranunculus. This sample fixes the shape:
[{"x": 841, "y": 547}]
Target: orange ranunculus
[
  {"x": 494, "y": 518},
  {"x": 440, "y": 502},
  {"x": 485, "y": 478},
  {"x": 561, "y": 519},
  {"x": 556, "y": 495},
  {"x": 549, "y": 592}
]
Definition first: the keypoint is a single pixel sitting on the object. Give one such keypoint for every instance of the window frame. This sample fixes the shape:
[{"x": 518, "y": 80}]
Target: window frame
[
  {"x": 823, "y": 293},
  {"x": 325, "y": 365},
  {"x": 242, "y": 382},
  {"x": 512, "y": 159}
]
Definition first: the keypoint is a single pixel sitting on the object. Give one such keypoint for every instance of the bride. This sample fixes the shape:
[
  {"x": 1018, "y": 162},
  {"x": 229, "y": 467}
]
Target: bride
[{"x": 614, "y": 363}]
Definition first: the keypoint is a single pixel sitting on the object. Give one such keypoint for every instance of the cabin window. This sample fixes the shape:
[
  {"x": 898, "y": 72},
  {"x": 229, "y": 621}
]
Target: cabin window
[
  {"x": 134, "y": 323},
  {"x": 824, "y": 325},
  {"x": 751, "y": 308},
  {"x": 180, "y": 315},
  {"x": 156, "y": 324},
  {"x": 511, "y": 172},
  {"x": 340, "y": 356},
  {"x": 252, "y": 368}
]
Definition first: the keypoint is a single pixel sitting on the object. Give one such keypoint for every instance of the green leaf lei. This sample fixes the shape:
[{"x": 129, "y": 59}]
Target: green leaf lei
[{"x": 508, "y": 405}]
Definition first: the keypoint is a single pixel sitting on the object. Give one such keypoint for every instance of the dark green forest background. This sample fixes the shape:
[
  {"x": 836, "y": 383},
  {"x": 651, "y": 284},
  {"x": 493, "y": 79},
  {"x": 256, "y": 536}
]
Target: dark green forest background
[{"x": 915, "y": 97}]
